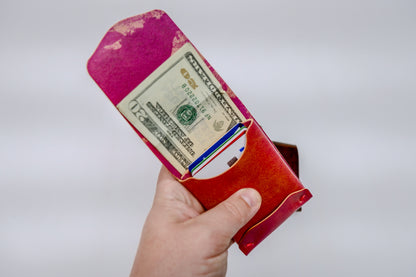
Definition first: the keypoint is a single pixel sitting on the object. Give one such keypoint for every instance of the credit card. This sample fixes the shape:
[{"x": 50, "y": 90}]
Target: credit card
[
  {"x": 215, "y": 146},
  {"x": 221, "y": 155}
]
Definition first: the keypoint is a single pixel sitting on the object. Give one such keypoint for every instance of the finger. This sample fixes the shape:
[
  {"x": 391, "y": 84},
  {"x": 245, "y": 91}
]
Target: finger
[
  {"x": 166, "y": 182},
  {"x": 232, "y": 214},
  {"x": 168, "y": 188},
  {"x": 165, "y": 175}
]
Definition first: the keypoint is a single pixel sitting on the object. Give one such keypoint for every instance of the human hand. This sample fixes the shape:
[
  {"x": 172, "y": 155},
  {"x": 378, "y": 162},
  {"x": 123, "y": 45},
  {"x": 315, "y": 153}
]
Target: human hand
[{"x": 180, "y": 239}]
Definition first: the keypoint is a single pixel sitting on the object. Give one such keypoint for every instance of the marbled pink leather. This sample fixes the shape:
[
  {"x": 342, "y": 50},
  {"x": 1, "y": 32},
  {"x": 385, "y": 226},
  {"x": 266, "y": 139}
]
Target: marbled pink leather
[{"x": 131, "y": 50}]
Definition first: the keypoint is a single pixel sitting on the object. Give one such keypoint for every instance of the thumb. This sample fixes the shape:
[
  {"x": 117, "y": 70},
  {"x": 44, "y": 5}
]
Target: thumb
[{"x": 232, "y": 214}]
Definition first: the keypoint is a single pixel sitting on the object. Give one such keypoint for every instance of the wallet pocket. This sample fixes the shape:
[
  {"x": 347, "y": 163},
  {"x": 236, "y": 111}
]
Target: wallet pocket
[{"x": 261, "y": 167}]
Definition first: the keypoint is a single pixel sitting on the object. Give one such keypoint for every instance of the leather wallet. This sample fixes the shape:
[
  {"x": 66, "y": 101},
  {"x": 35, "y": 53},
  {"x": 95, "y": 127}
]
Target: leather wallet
[{"x": 131, "y": 51}]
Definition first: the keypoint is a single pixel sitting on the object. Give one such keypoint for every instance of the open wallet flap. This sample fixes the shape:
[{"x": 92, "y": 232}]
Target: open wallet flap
[{"x": 131, "y": 57}]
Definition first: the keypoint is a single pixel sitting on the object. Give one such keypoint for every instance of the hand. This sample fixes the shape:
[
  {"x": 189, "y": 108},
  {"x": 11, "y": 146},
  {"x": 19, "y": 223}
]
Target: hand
[{"x": 180, "y": 239}]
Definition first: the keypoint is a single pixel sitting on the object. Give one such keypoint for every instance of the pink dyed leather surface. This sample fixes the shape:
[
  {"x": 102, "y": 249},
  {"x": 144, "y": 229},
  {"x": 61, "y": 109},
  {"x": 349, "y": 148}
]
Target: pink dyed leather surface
[{"x": 130, "y": 51}]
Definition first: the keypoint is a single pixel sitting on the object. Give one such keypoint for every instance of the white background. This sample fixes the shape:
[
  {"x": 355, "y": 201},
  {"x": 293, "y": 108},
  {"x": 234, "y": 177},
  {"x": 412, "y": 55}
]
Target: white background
[{"x": 337, "y": 78}]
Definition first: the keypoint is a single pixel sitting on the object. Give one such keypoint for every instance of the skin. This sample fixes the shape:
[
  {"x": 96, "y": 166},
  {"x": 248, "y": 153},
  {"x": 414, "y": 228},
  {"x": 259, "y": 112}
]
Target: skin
[{"x": 179, "y": 238}]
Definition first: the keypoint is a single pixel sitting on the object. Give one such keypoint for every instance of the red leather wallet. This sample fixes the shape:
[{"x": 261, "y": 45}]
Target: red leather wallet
[{"x": 134, "y": 48}]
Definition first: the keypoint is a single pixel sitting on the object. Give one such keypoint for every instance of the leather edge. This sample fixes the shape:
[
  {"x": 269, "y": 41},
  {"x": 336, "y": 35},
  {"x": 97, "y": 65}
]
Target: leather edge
[{"x": 265, "y": 227}]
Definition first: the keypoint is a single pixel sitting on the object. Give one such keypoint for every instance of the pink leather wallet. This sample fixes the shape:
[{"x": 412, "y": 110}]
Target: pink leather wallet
[{"x": 131, "y": 51}]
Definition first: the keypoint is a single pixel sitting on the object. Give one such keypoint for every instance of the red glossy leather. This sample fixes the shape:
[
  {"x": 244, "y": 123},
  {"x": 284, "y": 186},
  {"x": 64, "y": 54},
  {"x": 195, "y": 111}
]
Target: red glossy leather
[
  {"x": 265, "y": 227},
  {"x": 263, "y": 168}
]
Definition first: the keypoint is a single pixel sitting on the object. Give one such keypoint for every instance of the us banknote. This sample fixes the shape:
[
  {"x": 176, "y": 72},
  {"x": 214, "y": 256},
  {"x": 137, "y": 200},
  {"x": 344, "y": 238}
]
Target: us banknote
[{"x": 181, "y": 108}]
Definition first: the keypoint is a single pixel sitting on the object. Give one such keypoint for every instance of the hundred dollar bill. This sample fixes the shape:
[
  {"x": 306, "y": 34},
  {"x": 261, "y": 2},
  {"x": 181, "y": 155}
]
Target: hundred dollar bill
[{"x": 181, "y": 108}]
